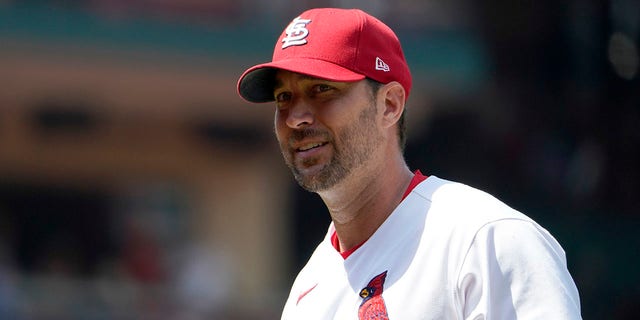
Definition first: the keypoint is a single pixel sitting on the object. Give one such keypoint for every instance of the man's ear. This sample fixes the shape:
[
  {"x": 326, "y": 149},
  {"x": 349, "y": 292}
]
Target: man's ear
[{"x": 393, "y": 96}]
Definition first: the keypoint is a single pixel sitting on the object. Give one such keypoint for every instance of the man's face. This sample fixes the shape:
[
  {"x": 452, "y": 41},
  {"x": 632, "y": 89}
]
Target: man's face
[{"x": 325, "y": 129}]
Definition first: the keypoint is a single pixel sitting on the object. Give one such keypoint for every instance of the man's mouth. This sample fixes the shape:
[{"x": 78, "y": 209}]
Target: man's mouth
[{"x": 310, "y": 146}]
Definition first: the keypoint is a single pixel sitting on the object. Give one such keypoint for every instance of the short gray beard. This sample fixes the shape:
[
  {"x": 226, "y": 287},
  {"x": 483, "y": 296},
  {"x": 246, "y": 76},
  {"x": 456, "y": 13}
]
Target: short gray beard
[{"x": 363, "y": 138}]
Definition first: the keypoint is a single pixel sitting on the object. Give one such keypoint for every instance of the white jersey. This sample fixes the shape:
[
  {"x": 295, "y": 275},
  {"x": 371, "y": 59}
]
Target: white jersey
[{"x": 448, "y": 251}]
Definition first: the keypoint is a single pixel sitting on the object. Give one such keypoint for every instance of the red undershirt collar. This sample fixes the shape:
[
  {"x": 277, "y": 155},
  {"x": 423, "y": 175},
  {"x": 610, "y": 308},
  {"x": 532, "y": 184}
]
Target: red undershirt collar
[{"x": 417, "y": 178}]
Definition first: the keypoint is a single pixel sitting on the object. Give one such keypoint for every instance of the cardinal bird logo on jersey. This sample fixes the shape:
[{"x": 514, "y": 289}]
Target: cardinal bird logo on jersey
[{"x": 372, "y": 306}]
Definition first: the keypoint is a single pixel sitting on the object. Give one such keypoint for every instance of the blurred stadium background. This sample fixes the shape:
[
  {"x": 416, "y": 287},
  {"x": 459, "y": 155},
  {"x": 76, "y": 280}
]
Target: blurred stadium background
[{"x": 135, "y": 184}]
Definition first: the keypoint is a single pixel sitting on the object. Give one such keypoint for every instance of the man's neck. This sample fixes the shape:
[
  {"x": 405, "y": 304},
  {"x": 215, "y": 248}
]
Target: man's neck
[{"x": 358, "y": 208}]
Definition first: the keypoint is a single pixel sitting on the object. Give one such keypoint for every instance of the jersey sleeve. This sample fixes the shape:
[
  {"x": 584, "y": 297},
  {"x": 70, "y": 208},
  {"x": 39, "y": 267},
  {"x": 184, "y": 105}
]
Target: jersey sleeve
[{"x": 515, "y": 269}]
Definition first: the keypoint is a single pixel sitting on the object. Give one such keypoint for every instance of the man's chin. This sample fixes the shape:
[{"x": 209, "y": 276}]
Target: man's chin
[
  {"x": 316, "y": 179},
  {"x": 309, "y": 181}
]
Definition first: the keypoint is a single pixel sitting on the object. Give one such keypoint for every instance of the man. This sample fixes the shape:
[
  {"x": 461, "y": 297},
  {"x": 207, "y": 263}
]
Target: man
[{"x": 401, "y": 245}]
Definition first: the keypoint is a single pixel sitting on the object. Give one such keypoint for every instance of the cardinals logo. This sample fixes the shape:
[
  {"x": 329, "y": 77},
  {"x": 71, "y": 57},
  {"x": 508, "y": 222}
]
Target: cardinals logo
[{"x": 372, "y": 306}]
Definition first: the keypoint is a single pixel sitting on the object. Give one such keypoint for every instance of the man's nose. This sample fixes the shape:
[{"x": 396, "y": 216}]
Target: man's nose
[{"x": 300, "y": 115}]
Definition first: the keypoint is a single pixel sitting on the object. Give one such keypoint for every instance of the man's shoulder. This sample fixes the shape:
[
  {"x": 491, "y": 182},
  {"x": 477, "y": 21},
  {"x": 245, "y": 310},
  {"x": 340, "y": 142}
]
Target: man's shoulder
[{"x": 462, "y": 204}]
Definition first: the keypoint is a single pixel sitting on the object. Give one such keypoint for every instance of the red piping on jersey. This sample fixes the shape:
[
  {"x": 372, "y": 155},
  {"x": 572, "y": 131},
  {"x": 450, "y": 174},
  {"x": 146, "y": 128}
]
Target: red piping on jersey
[
  {"x": 417, "y": 178},
  {"x": 304, "y": 293}
]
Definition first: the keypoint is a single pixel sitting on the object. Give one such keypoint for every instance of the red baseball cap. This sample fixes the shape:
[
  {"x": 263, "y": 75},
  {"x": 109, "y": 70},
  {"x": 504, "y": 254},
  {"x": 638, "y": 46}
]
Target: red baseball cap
[{"x": 334, "y": 44}]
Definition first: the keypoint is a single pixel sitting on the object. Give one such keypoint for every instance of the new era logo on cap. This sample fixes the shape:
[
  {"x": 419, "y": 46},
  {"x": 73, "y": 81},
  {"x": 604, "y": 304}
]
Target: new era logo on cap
[{"x": 380, "y": 65}]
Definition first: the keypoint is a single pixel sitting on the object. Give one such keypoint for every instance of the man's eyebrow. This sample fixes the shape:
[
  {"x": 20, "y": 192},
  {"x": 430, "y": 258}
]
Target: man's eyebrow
[
  {"x": 308, "y": 77},
  {"x": 277, "y": 84},
  {"x": 302, "y": 77}
]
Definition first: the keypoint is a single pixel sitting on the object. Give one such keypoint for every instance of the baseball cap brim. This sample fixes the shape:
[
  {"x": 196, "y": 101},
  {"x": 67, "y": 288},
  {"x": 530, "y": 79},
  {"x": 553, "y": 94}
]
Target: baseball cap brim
[{"x": 257, "y": 83}]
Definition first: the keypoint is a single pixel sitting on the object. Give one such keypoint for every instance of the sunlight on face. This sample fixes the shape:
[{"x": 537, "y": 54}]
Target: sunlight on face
[
  {"x": 352, "y": 148},
  {"x": 339, "y": 128}
]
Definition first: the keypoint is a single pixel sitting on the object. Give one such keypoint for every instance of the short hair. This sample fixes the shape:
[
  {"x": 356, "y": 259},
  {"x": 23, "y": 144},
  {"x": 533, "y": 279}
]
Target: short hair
[{"x": 402, "y": 127}]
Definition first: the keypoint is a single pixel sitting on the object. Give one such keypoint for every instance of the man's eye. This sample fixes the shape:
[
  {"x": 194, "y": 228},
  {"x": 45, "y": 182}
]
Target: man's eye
[
  {"x": 283, "y": 96},
  {"x": 321, "y": 88}
]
